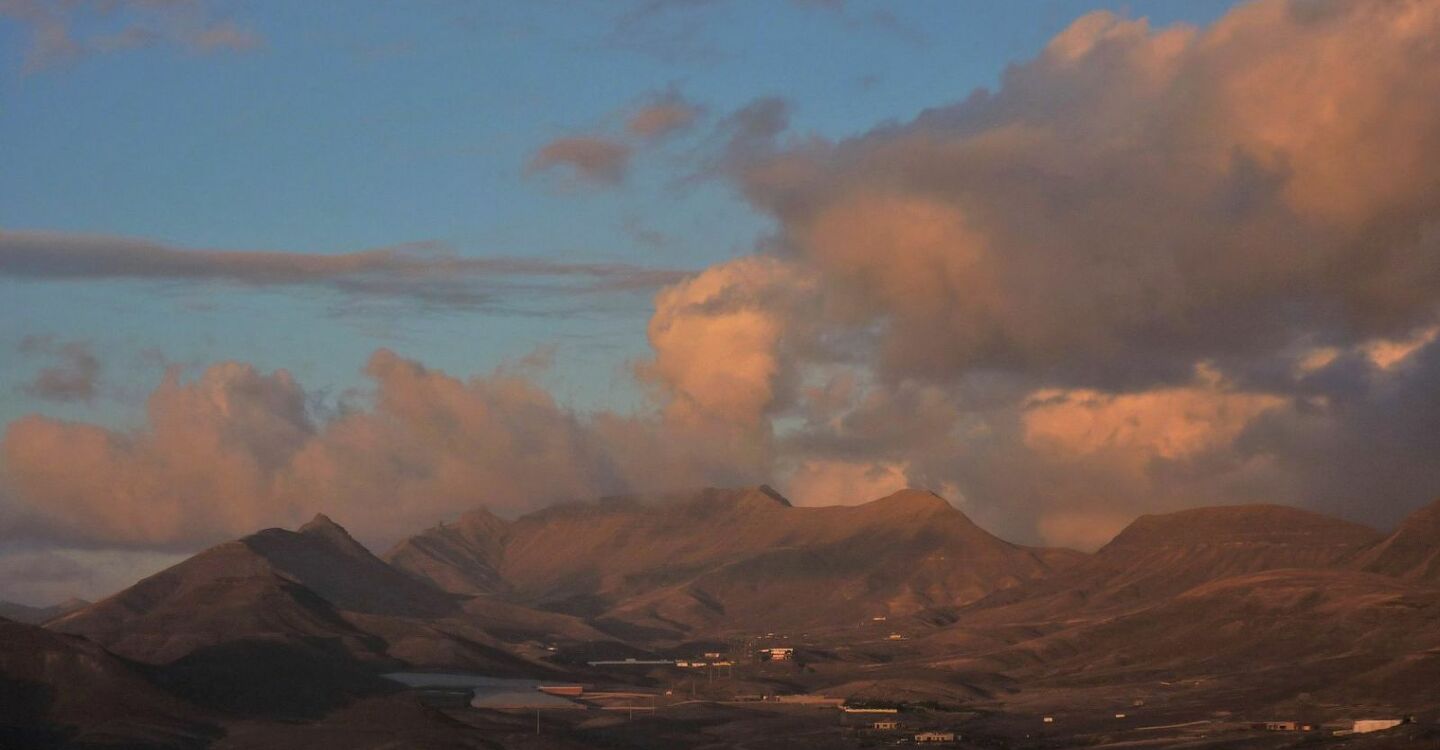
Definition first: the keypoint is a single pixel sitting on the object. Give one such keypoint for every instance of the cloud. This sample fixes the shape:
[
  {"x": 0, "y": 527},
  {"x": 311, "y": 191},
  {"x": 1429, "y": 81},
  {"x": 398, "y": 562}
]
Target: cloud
[
  {"x": 74, "y": 378},
  {"x": 717, "y": 339},
  {"x": 43, "y": 577},
  {"x": 1155, "y": 268},
  {"x": 238, "y": 449},
  {"x": 425, "y": 273},
  {"x": 65, "y": 31},
  {"x": 590, "y": 159},
  {"x": 671, "y": 31},
  {"x": 1134, "y": 201},
  {"x": 663, "y": 116},
  {"x": 843, "y": 483}
]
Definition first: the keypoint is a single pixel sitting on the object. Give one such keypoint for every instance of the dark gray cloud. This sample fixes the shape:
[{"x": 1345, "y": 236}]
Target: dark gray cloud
[
  {"x": 75, "y": 375},
  {"x": 425, "y": 273}
]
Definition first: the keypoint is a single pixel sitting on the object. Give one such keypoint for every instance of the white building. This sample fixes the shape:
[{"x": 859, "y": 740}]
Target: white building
[{"x": 1374, "y": 725}]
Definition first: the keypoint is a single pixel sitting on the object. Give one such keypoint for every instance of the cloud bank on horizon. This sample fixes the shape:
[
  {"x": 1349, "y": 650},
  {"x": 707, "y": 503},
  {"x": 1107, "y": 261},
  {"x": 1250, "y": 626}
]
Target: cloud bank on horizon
[{"x": 1155, "y": 268}]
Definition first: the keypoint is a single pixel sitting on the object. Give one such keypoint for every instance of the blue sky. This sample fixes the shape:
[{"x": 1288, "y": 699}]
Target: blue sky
[{"x": 347, "y": 126}]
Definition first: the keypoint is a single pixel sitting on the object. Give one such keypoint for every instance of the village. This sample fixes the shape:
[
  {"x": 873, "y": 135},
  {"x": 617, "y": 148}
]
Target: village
[{"x": 752, "y": 684}]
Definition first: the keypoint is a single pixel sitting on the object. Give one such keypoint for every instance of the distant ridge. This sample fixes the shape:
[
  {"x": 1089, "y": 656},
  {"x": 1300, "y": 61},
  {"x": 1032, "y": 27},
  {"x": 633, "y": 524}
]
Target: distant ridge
[
  {"x": 40, "y": 615},
  {"x": 1412, "y": 552},
  {"x": 691, "y": 562}
]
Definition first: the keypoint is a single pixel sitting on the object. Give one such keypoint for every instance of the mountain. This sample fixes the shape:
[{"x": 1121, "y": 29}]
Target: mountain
[
  {"x": 39, "y": 615},
  {"x": 274, "y": 584},
  {"x": 313, "y": 594},
  {"x": 718, "y": 558},
  {"x": 1344, "y": 637},
  {"x": 59, "y": 690},
  {"x": 463, "y": 557},
  {"x": 1412, "y": 552},
  {"x": 1162, "y": 555},
  {"x": 1244, "y": 606}
]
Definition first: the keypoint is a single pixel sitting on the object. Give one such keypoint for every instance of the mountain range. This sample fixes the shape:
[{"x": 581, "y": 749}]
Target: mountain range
[{"x": 902, "y": 597}]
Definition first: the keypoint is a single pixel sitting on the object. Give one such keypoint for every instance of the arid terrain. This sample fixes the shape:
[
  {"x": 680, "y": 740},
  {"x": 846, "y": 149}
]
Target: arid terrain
[{"x": 1191, "y": 629}]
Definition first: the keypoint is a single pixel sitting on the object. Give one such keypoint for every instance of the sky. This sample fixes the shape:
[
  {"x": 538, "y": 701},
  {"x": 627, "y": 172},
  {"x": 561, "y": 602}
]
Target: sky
[{"x": 1063, "y": 262}]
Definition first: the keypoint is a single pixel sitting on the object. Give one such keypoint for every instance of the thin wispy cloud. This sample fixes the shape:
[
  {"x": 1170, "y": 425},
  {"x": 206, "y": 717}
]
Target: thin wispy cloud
[
  {"x": 429, "y": 273},
  {"x": 62, "y": 32}
]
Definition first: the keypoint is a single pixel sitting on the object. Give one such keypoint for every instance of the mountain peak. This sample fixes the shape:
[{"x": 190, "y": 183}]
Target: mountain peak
[
  {"x": 773, "y": 494},
  {"x": 320, "y": 521},
  {"x": 321, "y": 527}
]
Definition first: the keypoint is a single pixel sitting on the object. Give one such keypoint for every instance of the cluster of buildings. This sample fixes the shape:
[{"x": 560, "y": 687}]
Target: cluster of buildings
[
  {"x": 1355, "y": 726},
  {"x": 701, "y": 664}
]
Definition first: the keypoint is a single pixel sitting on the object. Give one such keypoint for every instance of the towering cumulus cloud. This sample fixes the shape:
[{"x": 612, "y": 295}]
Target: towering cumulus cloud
[
  {"x": 1105, "y": 279},
  {"x": 1155, "y": 268}
]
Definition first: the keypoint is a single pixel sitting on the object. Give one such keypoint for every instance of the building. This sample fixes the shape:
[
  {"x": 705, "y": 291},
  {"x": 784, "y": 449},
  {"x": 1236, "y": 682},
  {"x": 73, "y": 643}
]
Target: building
[
  {"x": 712, "y": 654},
  {"x": 1048, "y": 719},
  {"x": 934, "y": 737},
  {"x": 1280, "y": 726},
  {"x": 779, "y": 653},
  {"x": 1362, "y": 726},
  {"x": 886, "y": 724},
  {"x": 895, "y": 637}
]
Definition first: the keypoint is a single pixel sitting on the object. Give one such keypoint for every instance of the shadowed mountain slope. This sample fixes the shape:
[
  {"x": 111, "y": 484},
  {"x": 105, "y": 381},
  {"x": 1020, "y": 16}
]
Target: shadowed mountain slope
[
  {"x": 59, "y": 690},
  {"x": 314, "y": 592}
]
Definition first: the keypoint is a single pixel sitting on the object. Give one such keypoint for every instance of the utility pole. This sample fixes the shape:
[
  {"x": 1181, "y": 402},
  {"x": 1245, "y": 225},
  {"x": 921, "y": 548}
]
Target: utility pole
[{"x": 537, "y": 720}]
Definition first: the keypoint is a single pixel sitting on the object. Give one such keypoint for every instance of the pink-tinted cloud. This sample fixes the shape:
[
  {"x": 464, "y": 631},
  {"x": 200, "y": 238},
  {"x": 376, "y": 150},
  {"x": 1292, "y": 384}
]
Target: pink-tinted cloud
[
  {"x": 663, "y": 116},
  {"x": 238, "y": 449},
  {"x": 64, "y": 31},
  {"x": 589, "y": 159}
]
